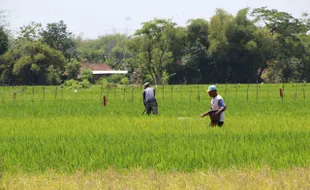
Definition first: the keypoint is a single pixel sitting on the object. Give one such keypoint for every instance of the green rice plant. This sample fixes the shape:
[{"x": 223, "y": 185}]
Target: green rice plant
[{"x": 75, "y": 131}]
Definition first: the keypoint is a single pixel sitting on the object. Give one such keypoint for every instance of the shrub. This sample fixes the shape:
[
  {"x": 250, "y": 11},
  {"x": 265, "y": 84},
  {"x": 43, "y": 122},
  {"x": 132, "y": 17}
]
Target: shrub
[
  {"x": 125, "y": 81},
  {"x": 85, "y": 83}
]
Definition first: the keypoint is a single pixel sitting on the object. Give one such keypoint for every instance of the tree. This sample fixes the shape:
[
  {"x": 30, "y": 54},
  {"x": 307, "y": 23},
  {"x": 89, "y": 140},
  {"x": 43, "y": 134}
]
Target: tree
[
  {"x": 57, "y": 37},
  {"x": 31, "y": 32},
  {"x": 111, "y": 49},
  {"x": 305, "y": 68},
  {"x": 155, "y": 46},
  {"x": 178, "y": 39},
  {"x": 280, "y": 22},
  {"x": 265, "y": 49},
  {"x": 32, "y": 63},
  {"x": 288, "y": 48},
  {"x": 4, "y": 40},
  {"x": 73, "y": 68},
  {"x": 87, "y": 74},
  {"x": 196, "y": 56},
  {"x": 4, "y": 37},
  {"x": 244, "y": 61},
  {"x": 218, "y": 51},
  {"x": 91, "y": 55}
]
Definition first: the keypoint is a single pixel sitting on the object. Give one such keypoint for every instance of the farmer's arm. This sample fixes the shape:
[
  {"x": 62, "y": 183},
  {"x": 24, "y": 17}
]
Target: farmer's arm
[
  {"x": 222, "y": 107},
  {"x": 205, "y": 114}
]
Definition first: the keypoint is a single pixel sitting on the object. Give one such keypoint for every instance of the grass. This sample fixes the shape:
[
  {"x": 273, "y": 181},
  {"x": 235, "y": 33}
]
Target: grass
[
  {"x": 41, "y": 135},
  {"x": 140, "y": 179}
]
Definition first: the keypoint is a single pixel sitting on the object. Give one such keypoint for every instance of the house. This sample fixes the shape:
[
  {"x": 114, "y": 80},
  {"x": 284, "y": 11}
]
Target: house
[{"x": 99, "y": 70}]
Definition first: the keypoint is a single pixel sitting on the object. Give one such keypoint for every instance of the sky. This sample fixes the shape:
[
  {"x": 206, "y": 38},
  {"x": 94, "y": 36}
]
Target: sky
[{"x": 92, "y": 18}]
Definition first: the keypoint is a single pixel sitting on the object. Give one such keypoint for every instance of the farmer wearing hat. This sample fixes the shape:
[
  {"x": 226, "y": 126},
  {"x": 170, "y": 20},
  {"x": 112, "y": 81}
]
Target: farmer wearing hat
[
  {"x": 149, "y": 99},
  {"x": 217, "y": 108}
]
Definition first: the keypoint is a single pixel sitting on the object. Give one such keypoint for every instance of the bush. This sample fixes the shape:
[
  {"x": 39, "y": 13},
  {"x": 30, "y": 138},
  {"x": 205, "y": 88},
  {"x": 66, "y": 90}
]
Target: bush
[
  {"x": 76, "y": 86},
  {"x": 87, "y": 74},
  {"x": 73, "y": 84},
  {"x": 102, "y": 81},
  {"x": 85, "y": 83},
  {"x": 69, "y": 83},
  {"x": 115, "y": 78},
  {"x": 125, "y": 81}
]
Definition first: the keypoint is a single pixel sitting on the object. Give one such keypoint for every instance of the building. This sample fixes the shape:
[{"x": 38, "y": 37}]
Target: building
[{"x": 99, "y": 70}]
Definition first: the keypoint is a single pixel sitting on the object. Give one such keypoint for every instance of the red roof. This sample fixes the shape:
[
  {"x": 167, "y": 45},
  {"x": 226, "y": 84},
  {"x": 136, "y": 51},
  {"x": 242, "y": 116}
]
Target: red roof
[{"x": 96, "y": 66}]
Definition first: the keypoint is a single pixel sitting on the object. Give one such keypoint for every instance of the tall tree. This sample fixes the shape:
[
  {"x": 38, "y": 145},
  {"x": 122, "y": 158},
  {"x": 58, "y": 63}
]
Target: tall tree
[
  {"x": 286, "y": 31},
  {"x": 4, "y": 40},
  {"x": 73, "y": 68},
  {"x": 221, "y": 70},
  {"x": 31, "y": 32},
  {"x": 4, "y": 37},
  {"x": 197, "y": 62},
  {"x": 57, "y": 37},
  {"x": 155, "y": 48},
  {"x": 32, "y": 63},
  {"x": 242, "y": 48},
  {"x": 91, "y": 55},
  {"x": 111, "y": 49}
]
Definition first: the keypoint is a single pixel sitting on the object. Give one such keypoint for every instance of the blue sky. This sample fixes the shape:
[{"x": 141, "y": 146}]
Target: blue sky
[{"x": 99, "y": 17}]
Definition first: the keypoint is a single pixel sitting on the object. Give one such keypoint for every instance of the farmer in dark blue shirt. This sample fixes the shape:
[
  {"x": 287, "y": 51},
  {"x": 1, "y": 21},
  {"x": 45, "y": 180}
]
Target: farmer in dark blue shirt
[{"x": 149, "y": 99}]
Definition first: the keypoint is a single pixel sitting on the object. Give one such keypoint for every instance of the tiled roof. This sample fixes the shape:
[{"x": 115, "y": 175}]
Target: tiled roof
[{"x": 96, "y": 66}]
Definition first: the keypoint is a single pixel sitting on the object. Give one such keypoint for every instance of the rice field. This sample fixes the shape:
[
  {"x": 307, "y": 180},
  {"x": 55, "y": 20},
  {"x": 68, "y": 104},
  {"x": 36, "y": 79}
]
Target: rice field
[{"x": 58, "y": 130}]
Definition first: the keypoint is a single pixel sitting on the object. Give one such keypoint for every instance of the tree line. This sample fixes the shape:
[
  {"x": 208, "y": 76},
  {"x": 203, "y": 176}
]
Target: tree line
[{"x": 255, "y": 45}]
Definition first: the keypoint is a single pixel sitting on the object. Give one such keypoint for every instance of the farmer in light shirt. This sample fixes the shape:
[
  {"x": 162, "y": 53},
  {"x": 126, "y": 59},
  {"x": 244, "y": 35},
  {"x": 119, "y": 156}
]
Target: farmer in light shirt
[
  {"x": 149, "y": 99},
  {"x": 217, "y": 108}
]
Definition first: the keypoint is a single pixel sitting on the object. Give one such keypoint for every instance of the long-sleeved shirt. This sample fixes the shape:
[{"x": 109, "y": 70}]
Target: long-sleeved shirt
[{"x": 148, "y": 94}]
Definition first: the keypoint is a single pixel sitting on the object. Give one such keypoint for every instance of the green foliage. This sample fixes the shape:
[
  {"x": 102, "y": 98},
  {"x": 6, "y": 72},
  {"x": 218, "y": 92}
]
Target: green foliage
[
  {"x": 31, "y": 32},
  {"x": 57, "y": 37},
  {"x": 73, "y": 68},
  {"x": 226, "y": 48},
  {"x": 109, "y": 49},
  {"x": 280, "y": 22},
  {"x": 70, "y": 82},
  {"x": 87, "y": 54},
  {"x": 125, "y": 81},
  {"x": 4, "y": 34},
  {"x": 52, "y": 77},
  {"x": 115, "y": 78},
  {"x": 102, "y": 81},
  {"x": 32, "y": 63},
  {"x": 154, "y": 51},
  {"x": 87, "y": 74},
  {"x": 148, "y": 78},
  {"x": 74, "y": 84},
  {"x": 4, "y": 40},
  {"x": 165, "y": 77},
  {"x": 76, "y": 131},
  {"x": 85, "y": 83}
]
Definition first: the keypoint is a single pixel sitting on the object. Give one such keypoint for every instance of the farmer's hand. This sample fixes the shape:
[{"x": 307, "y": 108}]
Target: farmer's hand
[{"x": 202, "y": 115}]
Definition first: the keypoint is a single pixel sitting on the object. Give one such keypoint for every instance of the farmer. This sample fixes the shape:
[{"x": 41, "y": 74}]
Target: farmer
[
  {"x": 149, "y": 99},
  {"x": 217, "y": 108}
]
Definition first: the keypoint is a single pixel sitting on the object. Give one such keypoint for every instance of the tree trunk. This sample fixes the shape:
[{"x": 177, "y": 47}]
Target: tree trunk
[
  {"x": 160, "y": 68},
  {"x": 150, "y": 66},
  {"x": 259, "y": 76}
]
